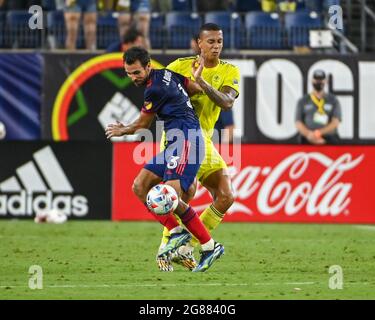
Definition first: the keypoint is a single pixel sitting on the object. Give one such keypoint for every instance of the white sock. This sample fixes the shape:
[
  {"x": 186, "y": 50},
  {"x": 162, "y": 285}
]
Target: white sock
[
  {"x": 176, "y": 230},
  {"x": 209, "y": 245},
  {"x": 185, "y": 249}
]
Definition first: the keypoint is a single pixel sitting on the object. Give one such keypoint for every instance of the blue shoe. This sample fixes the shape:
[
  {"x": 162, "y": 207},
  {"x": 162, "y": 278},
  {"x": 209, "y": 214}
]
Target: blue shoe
[
  {"x": 209, "y": 257},
  {"x": 175, "y": 241}
]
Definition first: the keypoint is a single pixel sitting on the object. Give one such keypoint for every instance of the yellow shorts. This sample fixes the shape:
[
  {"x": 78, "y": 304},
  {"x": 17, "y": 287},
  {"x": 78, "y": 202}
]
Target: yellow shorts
[{"x": 212, "y": 161}]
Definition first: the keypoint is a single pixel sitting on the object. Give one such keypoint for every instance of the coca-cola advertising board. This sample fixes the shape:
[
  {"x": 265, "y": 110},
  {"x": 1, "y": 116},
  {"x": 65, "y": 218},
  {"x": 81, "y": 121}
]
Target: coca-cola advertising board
[{"x": 279, "y": 183}]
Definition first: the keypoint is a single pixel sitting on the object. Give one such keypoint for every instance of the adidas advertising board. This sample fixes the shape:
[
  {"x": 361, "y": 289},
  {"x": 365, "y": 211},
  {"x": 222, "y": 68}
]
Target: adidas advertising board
[{"x": 73, "y": 177}]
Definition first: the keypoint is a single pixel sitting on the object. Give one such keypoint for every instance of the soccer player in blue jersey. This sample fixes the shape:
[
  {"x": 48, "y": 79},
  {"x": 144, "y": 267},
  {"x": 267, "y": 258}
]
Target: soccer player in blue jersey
[{"x": 167, "y": 97}]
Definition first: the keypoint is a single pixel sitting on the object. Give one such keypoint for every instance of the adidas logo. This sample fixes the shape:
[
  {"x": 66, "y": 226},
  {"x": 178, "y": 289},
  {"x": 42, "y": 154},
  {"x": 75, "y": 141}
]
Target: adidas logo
[{"x": 34, "y": 189}]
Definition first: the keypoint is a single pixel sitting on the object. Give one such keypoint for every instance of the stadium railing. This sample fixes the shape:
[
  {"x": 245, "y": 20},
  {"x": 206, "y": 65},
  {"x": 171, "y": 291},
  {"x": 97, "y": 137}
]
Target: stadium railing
[{"x": 167, "y": 31}]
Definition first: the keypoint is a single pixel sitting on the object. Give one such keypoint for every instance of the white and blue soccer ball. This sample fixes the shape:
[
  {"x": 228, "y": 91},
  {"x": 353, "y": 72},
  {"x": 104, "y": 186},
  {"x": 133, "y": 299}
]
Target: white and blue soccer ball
[{"x": 162, "y": 199}]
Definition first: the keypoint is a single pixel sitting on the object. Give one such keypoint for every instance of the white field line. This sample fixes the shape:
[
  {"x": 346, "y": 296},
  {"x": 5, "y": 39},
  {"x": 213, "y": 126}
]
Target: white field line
[
  {"x": 368, "y": 228},
  {"x": 135, "y": 285}
]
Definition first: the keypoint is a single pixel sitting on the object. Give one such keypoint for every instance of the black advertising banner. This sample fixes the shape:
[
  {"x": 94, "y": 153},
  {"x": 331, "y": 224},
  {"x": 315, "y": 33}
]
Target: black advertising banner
[
  {"x": 83, "y": 93},
  {"x": 73, "y": 177}
]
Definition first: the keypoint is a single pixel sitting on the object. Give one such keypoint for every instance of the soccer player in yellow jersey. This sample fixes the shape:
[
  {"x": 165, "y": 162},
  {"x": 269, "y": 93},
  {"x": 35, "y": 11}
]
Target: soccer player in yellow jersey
[{"x": 219, "y": 81}]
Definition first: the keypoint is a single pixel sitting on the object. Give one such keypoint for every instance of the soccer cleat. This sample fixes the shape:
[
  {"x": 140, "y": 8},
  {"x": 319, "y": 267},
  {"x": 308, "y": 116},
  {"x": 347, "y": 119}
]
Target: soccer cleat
[
  {"x": 209, "y": 257},
  {"x": 184, "y": 257},
  {"x": 164, "y": 264},
  {"x": 175, "y": 241}
]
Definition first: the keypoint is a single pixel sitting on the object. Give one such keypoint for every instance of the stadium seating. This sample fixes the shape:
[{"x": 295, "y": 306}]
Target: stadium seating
[
  {"x": 2, "y": 29},
  {"x": 18, "y": 32},
  {"x": 49, "y": 5},
  {"x": 227, "y": 21},
  {"x": 263, "y": 30},
  {"x": 247, "y": 5},
  {"x": 181, "y": 5},
  {"x": 107, "y": 30},
  {"x": 297, "y": 27},
  {"x": 314, "y": 5},
  {"x": 181, "y": 26},
  {"x": 157, "y": 33}
]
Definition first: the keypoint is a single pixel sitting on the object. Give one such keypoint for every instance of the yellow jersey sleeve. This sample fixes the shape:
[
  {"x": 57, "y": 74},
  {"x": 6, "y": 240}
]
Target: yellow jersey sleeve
[
  {"x": 232, "y": 79},
  {"x": 174, "y": 66}
]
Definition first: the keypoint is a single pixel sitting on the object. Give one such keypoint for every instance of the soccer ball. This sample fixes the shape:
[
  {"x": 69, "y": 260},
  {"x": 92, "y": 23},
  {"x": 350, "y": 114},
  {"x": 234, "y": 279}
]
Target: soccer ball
[
  {"x": 50, "y": 216},
  {"x": 162, "y": 199}
]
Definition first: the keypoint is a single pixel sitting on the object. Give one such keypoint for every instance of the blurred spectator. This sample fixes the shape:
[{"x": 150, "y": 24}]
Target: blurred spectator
[
  {"x": 218, "y": 5},
  {"x": 132, "y": 38},
  {"x": 134, "y": 12},
  {"x": 106, "y": 5},
  {"x": 59, "y": 4},
  {"x": 73, "y": 11},
  {"x": 318, "y": 114},
  {"x": 287, "y": 5},
  {"x": 163, "y": 6},
  {"x": 269, "y": 5}
]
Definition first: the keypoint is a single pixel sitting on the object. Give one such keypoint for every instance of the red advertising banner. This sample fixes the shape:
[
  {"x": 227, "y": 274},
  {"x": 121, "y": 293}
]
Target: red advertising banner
[{"x": 275, "y": 183}]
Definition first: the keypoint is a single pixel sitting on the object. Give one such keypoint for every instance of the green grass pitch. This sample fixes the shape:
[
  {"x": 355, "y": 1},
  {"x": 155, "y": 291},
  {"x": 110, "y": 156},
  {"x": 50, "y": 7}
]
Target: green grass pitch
[{"x": 109, "y": 260}]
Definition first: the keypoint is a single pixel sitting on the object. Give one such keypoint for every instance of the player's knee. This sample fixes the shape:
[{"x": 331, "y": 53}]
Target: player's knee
[{"x": 137, "y": 189}]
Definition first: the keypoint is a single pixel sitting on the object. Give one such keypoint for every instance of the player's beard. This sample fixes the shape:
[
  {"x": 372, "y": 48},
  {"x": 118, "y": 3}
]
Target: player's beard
[{"x": 140, "y": 83}]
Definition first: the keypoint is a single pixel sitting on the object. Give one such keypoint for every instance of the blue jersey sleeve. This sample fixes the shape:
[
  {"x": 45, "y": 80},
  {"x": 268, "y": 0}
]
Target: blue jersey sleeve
[
  {"x": 181, "y": 79},
  {"x": 154, "y": 98}
]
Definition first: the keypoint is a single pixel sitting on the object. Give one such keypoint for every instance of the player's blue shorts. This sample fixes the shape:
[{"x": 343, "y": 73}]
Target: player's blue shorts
[{"x": 181, "y": 158}]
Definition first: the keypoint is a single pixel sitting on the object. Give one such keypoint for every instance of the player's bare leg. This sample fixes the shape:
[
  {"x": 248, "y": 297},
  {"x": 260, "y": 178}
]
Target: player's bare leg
[
  {"x": 144, "y": 181},
  {"x": 220, "y": 186}
]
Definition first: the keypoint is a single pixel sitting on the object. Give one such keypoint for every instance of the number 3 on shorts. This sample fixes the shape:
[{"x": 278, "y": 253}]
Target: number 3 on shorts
[{"x": 172, "y": 164}]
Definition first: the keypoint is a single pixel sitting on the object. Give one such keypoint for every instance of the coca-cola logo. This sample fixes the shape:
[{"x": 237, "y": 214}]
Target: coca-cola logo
[{"x": 311, "y": 182}]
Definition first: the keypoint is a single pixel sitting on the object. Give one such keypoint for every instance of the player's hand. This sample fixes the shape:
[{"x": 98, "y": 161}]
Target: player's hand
[
  {"x": 114, "y": 130},
  {"x": 197, "y": 68}
]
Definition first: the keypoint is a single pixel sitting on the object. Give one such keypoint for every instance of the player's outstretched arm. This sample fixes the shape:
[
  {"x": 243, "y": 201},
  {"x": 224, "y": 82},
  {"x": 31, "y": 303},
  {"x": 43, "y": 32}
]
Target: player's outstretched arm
[
  {"x": 193, "y": 88},
  {"x": 224, "y": 98},
  {"x": 118, "y": 129}
]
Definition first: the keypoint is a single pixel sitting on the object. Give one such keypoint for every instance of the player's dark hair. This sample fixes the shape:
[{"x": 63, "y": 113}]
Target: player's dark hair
[
  {"x": 131, "y": 35},
  {"x": 195, "y": 36},
  {"x": 137, "y": 53},
  {"x": 209, "y": 27}
]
